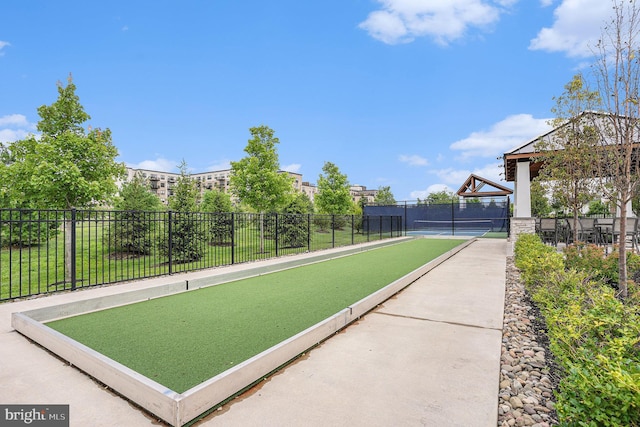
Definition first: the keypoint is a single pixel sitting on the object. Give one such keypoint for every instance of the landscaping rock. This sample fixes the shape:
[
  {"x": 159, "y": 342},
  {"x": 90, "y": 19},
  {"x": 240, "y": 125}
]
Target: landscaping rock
[{"x": 528, "y": 375}]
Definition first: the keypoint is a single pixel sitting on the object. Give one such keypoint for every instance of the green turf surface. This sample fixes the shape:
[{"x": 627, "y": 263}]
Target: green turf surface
[{"x": 184, "y": 339}]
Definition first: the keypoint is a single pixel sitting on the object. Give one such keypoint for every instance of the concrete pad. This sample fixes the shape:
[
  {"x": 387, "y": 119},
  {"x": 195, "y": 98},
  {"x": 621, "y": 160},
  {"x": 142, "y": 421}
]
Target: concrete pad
[
  {"x": 395, "y": 368},
  {"x": 387, "y": 364},
  {"x": 468, "y": 289},
  {"x": 385, "y": 371}
]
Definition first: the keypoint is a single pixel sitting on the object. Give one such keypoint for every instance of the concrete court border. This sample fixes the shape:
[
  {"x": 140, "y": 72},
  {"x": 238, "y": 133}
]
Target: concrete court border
[{"x": 180, "y": 408}]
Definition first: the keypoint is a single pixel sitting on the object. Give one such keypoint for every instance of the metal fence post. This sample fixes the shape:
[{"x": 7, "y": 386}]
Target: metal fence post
[
  {"x": 72, "y": 255},
  {"x": 309, "y": 232},
  {"x": 277, "y": 235},
  {"x": 333, "y": 231},
  {"x": 352, "y": 228},
  {"x": 233, "y": 238},
  {"x": 170, "y": 236}
]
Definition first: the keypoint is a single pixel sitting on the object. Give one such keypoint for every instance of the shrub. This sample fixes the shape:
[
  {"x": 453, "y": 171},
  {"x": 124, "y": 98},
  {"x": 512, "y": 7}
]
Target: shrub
[{"x": 594, "y": 337}]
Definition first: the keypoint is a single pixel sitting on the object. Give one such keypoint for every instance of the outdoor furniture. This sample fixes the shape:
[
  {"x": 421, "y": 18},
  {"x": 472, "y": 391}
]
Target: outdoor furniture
[
  {"x": 588, "y": 232},
  {"x": 631, "y": 232},
  {"x": 603, "y": 228},
  {"x": 548, "y": 231}
]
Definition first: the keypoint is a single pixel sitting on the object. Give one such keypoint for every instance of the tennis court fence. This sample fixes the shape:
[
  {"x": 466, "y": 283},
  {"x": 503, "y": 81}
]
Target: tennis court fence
[
  {"x": 480, "y": 216},
  {"x": 43, "y": 251}
]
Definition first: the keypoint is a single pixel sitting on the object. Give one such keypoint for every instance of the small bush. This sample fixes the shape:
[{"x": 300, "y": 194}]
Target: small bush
[{"x": 594, "y": 337}]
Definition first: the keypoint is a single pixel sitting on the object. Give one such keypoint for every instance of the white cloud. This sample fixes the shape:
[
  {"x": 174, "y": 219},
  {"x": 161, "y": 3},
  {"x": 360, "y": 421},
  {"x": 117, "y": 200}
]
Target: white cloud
[
  {"x": 576, "y": 28},
  {"x": 511, "y": 132},
  {"x": 17, "y": 120},
  {"x": 413, "y": 160},
  {"x": 401, "y": 21},
  {"x": 3, "y": 45},
  {"x": 457, "y": 177},
  {"x": 545, "y": 3},
  {"x": 435, "y": 188},
  {"x": 452, "y": 179},
  {"x": 294, "y": 168},
  {"x": 220, "y": 165},
  {"x": 11, "y": 135},
  {"x": 14, "y": 127},
  {"x": 159, "y": 164}
]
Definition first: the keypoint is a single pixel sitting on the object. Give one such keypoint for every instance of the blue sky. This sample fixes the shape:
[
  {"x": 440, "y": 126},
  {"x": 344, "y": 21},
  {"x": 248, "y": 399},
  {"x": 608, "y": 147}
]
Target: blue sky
[{"x": 413, "y": 94}]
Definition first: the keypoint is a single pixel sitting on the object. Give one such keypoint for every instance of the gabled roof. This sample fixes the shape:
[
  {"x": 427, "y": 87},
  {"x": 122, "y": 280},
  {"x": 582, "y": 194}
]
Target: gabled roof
[
  {"x": 473, "y": 184},
  {"x": 528, "y": 152}
]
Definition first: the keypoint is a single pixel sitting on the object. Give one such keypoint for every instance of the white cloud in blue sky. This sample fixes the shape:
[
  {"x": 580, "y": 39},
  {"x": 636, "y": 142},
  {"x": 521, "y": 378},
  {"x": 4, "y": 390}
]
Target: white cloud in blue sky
[
  {"x": 413, "y": 160},
  {"x": 422, "y": 92},
  {"x": 502, "y": 136},
  {"x": 14, "y": 127},
  {"x": 3, "y": 44},
  {"x": 401, "y": 21},
  {"x": 293, "y": 167},
  {"x": 576, "y": 28},
  {"x": 159, "y": 164}
]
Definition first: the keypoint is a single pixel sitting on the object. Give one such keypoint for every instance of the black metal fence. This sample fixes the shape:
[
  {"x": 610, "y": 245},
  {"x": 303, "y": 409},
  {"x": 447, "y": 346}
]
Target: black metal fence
[
  {"x": 44, "y": 251},
  {"x": 491, "y": 215}
]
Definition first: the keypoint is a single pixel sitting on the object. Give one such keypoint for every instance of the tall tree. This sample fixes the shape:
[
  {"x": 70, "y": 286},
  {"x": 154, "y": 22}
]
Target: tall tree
[
  {"x": 571, "y": 149},
  {"x": 293, "y": 226},
  {"x": 256, "y": 179},
  {"x": 132, "y": 226},
  {"x": 187, "y": 229},
  {"x": 384, "y": 196},
  {"x": 539, "y": 202},
  {"x": 617, "y": 73},
  {"x": 333, "y": 195},
  {"x": 68, "y": 166},
  {"x": 216, "y": 204},
  {"x": 441, "y": 197}
]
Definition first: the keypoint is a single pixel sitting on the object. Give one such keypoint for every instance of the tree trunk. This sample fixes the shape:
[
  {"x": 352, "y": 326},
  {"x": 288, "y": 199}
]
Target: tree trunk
[{"x": 622, "y": 253}]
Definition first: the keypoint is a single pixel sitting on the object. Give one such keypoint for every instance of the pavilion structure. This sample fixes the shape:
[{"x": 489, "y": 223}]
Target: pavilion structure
[
  {"x": 474, "y": 186},
  {"x": 523, "y": 164}
]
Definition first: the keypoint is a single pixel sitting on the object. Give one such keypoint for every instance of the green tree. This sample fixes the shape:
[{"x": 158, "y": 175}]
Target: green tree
[
  {"x": 134, "y": 216},
  {"x": 334, "y": 195},
  {"x": 66, "y": 167},
  {"x": 217, "y": 206},
  {"x": 293, "y": 224},
  {"x": 597, "y": 207},
  {"x": 441, "y": 197},
  {"x": 384, "y": 196},
  {"x": 618, "y": 79},
  {"x": 539, "y": 202},
  {"x": 333, "y": 198},
  {"x": 571, "y": 149},
  {"x": 256, "y": 179},
  {"x": 187, "y": 230}
]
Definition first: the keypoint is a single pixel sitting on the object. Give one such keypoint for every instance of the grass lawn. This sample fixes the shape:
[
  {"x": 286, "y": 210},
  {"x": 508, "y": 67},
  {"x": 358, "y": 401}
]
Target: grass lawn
[
  {"x": 40, "y": 269},
  {"x": 182, "y": 340}
]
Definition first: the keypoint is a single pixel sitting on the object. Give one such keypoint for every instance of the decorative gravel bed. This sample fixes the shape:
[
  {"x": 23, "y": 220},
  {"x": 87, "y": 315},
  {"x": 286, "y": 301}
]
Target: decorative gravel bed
[{"x": 528, "y": 374}]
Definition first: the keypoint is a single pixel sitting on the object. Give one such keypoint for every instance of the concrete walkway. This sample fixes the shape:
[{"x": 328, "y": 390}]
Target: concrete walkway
[{"x": 427, "y": 357}]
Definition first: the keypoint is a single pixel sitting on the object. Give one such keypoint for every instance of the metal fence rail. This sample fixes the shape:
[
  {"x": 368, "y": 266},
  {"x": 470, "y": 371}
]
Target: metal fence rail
[{"x": 44, "y": 251}]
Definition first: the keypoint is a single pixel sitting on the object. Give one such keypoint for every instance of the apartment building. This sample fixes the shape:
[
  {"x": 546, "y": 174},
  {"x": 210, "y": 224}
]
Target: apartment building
[
  {"x": 359, "y": 192},
  {"x": 161, "y": 183}
]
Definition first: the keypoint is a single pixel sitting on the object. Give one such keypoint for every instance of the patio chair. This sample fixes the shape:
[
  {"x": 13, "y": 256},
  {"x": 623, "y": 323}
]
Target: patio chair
[
  {"x": 603, "y": 230},
  {"x": 548, "y": 231},
  {"x": 631, "y": 231},
  {"x": 588, "y": 232}
]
